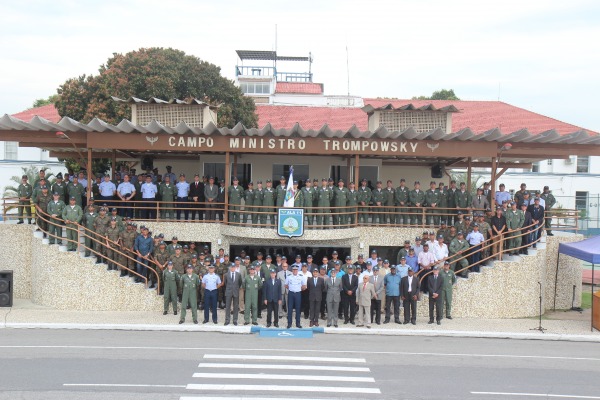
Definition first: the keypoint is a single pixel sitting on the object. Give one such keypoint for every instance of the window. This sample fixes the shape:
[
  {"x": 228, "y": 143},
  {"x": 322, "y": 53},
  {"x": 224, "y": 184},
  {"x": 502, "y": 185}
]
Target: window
[
  {"x": 367, "y": 172},
  {"x": 244, "y": 172},
  {"x": 581, "y": 200},
  {"x": 549, "y": 161},
  {"x": 535, "y": 167},
  {"x": 256, "y": 88},
  {"x": 583, "y": 164},
  {"x": 11, "y": 150},
  {"x": 300, "y": 173}
]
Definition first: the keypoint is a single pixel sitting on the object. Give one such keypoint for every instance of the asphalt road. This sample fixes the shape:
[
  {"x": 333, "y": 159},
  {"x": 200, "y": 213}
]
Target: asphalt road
[{"x": 65, "y": 364}]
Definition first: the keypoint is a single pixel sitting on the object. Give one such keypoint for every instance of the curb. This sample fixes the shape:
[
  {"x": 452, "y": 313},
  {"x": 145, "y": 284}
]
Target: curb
[{"x": 330, "y": 331}]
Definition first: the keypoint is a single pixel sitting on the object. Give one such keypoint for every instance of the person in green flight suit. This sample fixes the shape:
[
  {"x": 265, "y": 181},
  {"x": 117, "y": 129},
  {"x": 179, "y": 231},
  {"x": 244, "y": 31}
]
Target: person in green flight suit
[
  {"x": 257, "y": 202},
  {"x": 308, "y": 194},
  {"x": 352, "y": 201},
  {"x": 340, "y": 199},
  {"x": 463, "y": 198},
  {"x": 432, "y": 200},
  {"x": 75, "y": 189},
  {"x": 448, "y": 283},
  {"x": 248, "y": 203},
  {"x": 457, "y": 248},
  {"x": 443, "y": 203},
  {"x": 417, "y": 201},
  {"x": 550, "y": 201},
  {"x": 189, "y": 285},
  {"x": 252, "y": 285},
  {"x": 24, "y": 192},
  {"x": 170, "y": 279},
  {"x": 280, "y": 194},
  {"x": 41, "y": 206},
  {"x": 389, "y": 200},
  {"x": 324, "y": 202},
  {"x": 72, "y": 215},
  {"x": 236, "y": 194},
  {"x": 59, "y": 186},
  {"x": 55, "y": 209},
  {"x": 514, "y": 222},
  {"x": 168, "y": 192},
  {"x": 402, "y": 201},
  {"x": 297, "y": 195},
  {"x": 268, "y": 204},
  {"x": 364, "y": 198},
  {"x": 378, "y": 199},
  {"x": 37, "y": 189}
]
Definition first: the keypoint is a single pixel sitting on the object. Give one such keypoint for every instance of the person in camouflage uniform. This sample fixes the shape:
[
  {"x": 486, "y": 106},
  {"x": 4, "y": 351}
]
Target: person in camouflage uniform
[
  {"x": 24, "y": 192},
  {"x": 41, "y": 205},
  {"x": 120, "y": 224},
  {"x": 363, "y": 198},
  {"x": 550, "y": 201},
  {"x": 402, "y": 201},
  {"x": 456, "y": 250},
  {"x": 88, "y": 222},
  {"x": 127, "y": 238},
  {"x": 160, "y": 258},
  {"x": 55, "y": 209},
  {"x": 72, "y": 215},
  {"x": 113, "y": 244},
  {"x": 101, "y": 223}
]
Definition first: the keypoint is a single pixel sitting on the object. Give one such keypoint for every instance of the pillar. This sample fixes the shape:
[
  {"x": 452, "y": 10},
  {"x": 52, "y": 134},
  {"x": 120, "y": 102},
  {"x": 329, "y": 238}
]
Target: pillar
[{"x": 227, "y": 183}]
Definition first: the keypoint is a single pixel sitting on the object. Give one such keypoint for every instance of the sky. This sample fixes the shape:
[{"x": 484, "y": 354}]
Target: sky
[{"x": 540, "y": 55}]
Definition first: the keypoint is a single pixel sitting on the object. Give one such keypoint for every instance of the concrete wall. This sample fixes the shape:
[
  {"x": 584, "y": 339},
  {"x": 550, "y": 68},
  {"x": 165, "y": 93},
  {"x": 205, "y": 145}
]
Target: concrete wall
[{"x": 16, "y": 249}]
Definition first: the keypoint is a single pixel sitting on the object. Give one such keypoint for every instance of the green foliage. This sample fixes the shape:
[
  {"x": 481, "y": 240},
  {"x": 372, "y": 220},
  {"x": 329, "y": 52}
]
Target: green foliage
[
  {"x": 32, "y": 173},
  {"x": 439, "y": 95},
  {"x": 463, "y": 177},
  {"x": 99, "y": 165},
  {"x": 44, "y": 102},
  {"x": 153, "y": 72}
]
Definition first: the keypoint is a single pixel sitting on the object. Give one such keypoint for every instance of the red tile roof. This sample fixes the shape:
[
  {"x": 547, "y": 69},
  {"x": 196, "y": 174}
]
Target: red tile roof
[
  {"x": 48, "y": 112},
  {"x": 299, "y": 88},
  {"x": 311, "y": 117}
]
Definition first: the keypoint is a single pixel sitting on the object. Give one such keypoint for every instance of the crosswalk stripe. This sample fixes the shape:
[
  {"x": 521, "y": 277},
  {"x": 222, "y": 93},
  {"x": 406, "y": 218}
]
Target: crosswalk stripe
[
  {"x": 282, "y": 358},
  {"x": 284, "y": 367},
  {"x": 245, "y": 398},
  {"x": 288, "y": 389},
  {"x": 276, "y": 376}
]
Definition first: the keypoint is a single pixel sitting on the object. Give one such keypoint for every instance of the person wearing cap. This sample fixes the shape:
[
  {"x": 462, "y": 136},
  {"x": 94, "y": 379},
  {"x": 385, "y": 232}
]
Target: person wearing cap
[
  {"x": 549, "y": 201},
  {"x": 378, "y": 285},
  {"x": 518, "y": 196},
  {"x": 233, "y": 282},
  {"x": 160, "y": 256},
  {"x": 499, "y": 228},
  {"x": 88, "y": 223},
  {"x": 107, "y": 190},
  {"x": 182, "y": 187},
  {"x": 189, "y": 284},
  {"x": 401, "y": 201},
  {"x": 501, "y": 194},
  {"x": 316, "y": 287},
  {"x": 449, "y": 280},
  {"x": 113, "y": 245},
  {"x": 412, "y": 260},
  {"x": 365, "y": 293},
  {"x": 211, "y": 193},
  {"x": 349, "y": 286},
  {"x": 443, "y": 202},
  {"x": 432, "y": 202},
  {"x": 351, "y": 202},
  {"x": 41, "y": 206},
  {"x": 463, "y": 198},
  {"x": 196, "y": 198},
  {"x": 127, "y": 238},
  {"x": 168, "y": 194},
  {"x": 514, "y": 223},
  {"x": 526, "y": 238},
  {"x": 427, "y": 261},
  {"x": 538, "y": 213},
  {"x": 101, "y": 223},
  {"x": 211, "y": 282},
  {"x": 435, "y": 287},
  {"x": 113, "y": 214},
  {"x": 268, "y": 202},
  {"x": 169, "y": 174},
  {"x": 402, "y": 268},
  {"x": 324, "y": 197},
  {"x": 178, "y": 260},
  {"x": 235, "y": 195},
  {"x": 418, "y": 246},
  {"x": 417, "y": 201},
  {"x": 272, "y": 295},
  {"x": 149, "y": 191},
  {"x": 333, "y": 288},
  {"x": 363, "y": 198},
  {"x": 59, "y": 186},
  {"x": 475, "y": 239},
  {"x": 480, "y": 202},
  {"x": 170, "y": 279},
  {"x": 378, "y": 201},
  {"x": 258, "y": 196},
  {"x": 409, "y": 294},
  {"x": 143, "y": 246},
  {"x": 458, "y": 251},
  {"x": 281, "y": 192},
  {"x": 391, "y": 285},
  {"x": 295, "y": 284},
  {"x": 389, "y": 194},
  {"x": 55, "y": 209},
  {"x": 72, "y": 215},
  {"x": 76, "y": 189},
  {"x": 459, "y": 222}
]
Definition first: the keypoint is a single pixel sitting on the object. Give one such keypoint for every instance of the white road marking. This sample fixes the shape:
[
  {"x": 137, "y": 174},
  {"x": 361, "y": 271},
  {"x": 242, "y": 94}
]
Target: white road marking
[
  {"x": 244, "y": 398},
  {"x": 286, "y": 388},
  {"x": 282, "y": 358},
  {"x": 122, "y": 385},
  {"x": 563, "y": 396},
  {"x": 291, "y": 377},
  {"x": 284, "y": 367},
  {"x": 306, "y": 351}
]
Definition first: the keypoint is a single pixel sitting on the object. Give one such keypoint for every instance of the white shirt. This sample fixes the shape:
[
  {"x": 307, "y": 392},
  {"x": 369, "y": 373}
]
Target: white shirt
[
  {"x": 410, "y": 279},
  {"x": 440, "y": 251},
  {"x": 365, "y": 273}
]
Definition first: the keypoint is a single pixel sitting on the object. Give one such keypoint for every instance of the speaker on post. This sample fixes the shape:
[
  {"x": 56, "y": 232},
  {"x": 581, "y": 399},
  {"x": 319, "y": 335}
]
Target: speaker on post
[
  {"x": 6, "y": 288},
  {"x": 437, "y": 171}
]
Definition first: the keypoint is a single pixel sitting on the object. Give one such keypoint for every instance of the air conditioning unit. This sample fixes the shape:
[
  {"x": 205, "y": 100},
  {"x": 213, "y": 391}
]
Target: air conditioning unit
[{"x": 571, "y": 160}]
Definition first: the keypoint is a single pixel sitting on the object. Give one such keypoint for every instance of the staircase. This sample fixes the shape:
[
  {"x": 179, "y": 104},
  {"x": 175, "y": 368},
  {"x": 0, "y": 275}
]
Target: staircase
[{"x": 70, "y": 281}]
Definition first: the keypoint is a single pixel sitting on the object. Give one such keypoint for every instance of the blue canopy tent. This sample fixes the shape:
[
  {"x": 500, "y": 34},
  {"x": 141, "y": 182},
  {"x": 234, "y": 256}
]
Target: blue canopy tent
[{"x": 586, "y": 250}]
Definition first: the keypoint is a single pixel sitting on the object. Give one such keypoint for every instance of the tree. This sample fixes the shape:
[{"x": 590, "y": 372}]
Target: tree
[
  {"x": 153, "y": 72},
  {"x": 439, "y": 95},
  {"x": 44, "y": 102},
  {"x": 32, "y": 173}
]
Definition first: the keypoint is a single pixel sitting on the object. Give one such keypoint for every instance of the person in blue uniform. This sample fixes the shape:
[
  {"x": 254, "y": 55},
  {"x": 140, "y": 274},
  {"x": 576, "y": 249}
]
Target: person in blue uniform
[{"x": 295, "y": 285}]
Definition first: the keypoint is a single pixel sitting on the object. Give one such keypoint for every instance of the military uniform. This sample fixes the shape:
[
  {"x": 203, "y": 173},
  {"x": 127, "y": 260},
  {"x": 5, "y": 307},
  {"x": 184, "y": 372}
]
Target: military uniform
[
  {"x": 189, "y": 286},
  {"x": 514, "y": 222},
  {"x": 220, "y": 271},
  {"x": 72, "y": 216},
  {"x": 61, "y": 189},
  {"x": 550, "y": 202},
  {"x": 248, "y": 203},
  {"x": 236, "y": 194},
  {"x": 340, "y": 199},
  {"x": 24, "y": 192},
  {"x": 113, "y": 245},
  {"x": 257, "y": 202},
  {"x": 447, "y": 285},
  {"x": 457, "y": 245},
  {"x": 308, "y": 195},
  {"x": 252, "y": 286},
  {"x": 363, "y": 198},
  {"x": 167, "y": 192},
  {"x": 432, "y": 199},
  {"x": 179, "y": 263},
  {"x": 463, "y": 199},
  {"x": 378, "y": 199},
  {"x": 324, "y": 202},
  {"x": 268, "y": 203},
  {"x": 353, "y": 202},
  {"x": 42, "y": 201},
  {"x": 417, "y": 201},
  {"x": 389, "y": 200},
  {"x": 100, "y": 226},
  {"x": 127, "y": 241},
  {"x": 402, "y": 201},
  {"x": 88, "y": 223},
  {"x": 170, "y": 283},
  {"x": 55, "y": 229},
  {"x": 76, "y": 190}
]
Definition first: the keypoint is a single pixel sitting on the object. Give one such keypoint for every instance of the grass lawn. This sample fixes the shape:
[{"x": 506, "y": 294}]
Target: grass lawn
[{"x": 586, "y": 300}]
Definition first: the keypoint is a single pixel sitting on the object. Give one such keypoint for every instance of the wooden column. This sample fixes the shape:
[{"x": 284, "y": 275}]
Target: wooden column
[
  {"x": 227, "y": 183},
  {"x": 357, "y": 170},
  {"x": 114, "y": 163},
  {"x": 469, "y": 169},
  {"x": 493, "y": 185},
  {"x": 348, "y": 166},
  {"x": 89, "y": 174}
]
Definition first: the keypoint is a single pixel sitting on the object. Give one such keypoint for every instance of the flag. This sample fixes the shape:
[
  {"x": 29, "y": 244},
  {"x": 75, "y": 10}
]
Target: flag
[{"x": 289, "y": 192}]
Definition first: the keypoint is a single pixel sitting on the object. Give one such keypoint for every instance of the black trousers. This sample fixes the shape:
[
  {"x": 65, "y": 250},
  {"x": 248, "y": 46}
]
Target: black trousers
[
  {"x": 410, "y": 310},
  {"x": 395, "y": 300},
  {"x": 437, "y": 303},
  {"x": 305, "y": 307},
  {"x": 349, "y": 306},
  {"x": 272, "y": 309},
  {"x": 376, "y": 311},
  {"x": 315, "y": 309},
  {"x": 182, "y": 205}
]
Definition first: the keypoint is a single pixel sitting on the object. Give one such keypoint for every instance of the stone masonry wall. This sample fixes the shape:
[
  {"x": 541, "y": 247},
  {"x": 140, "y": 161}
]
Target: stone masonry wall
[{"x": 15, "y": 255}]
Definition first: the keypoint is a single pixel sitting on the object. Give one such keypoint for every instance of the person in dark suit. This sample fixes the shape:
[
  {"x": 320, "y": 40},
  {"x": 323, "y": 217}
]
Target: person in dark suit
[
  {"x": 435, "y": 283},
  {"x": 480, "y": 201},
  {"x": 526, "y": 238},
  {"x": 316, "y": 287},
  {"x": 349, "y": 286},
  {"x": 409, "y": 293},
  {"x": 211, "y": 192},
  {"x": 537, "y": 215},
  {"x": 233, "y": 283},
  {"x": 272, "y": 297},
  {"x": 220, "y": 207},
  {"x": 197, "y": 197}
]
